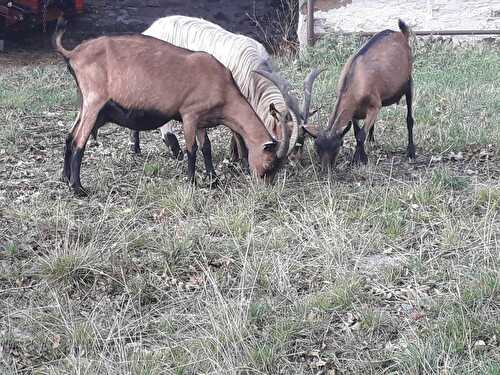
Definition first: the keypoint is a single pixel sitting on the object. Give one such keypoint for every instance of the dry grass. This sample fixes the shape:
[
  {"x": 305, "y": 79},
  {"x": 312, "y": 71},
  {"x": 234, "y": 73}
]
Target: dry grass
[{"x": 392, "y": 268}]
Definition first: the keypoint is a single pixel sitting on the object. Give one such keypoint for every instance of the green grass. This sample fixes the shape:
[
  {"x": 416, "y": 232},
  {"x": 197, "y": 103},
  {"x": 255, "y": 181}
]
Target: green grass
[{"x": 392, "y": 268}]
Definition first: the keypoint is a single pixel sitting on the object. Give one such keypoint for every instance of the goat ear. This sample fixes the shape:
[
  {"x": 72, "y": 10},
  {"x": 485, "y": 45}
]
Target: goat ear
[
  {"x": 273, "y": 111},
  {"x": 270, "y": 146},
  {"x": 312, "y": 130}
]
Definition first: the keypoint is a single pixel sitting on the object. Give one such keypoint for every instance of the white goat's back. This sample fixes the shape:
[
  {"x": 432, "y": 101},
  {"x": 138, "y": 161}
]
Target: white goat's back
[{"x": 240, "y": 54}]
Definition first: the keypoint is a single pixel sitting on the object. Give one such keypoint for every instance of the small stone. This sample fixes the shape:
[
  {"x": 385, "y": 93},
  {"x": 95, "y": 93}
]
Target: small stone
[
  {"x": 356, "y": 326},
  {"x": 313, "y": 353},
  {"x": 406, "y": 307},
  {"x": 458, "y": 156},
  {"x": 320, "y": 363},
  {"x": 479, "y": 345}
]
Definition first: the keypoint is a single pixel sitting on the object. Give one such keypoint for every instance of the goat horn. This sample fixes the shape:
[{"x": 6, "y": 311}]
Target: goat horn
[
  {"x": 283, "y": 149},
  {"x": 291, "y": 102},
  {"x": 308, "y": 85},
  {"x": 294, "y": 137},
  {"x": 284, "y": 87}
]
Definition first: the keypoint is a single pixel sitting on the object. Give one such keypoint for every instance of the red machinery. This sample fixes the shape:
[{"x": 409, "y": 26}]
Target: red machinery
[{"x": 21, "y": 14}]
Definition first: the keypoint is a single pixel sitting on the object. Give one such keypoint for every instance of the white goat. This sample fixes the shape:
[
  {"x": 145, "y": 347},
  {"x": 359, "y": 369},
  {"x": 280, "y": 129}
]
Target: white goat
[{"x": 242, "y": 56}]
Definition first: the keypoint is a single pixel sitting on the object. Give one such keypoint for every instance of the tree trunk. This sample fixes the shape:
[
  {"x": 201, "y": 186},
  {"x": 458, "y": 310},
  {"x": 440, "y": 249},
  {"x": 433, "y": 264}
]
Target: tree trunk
[{"x": 310, "y": 23}]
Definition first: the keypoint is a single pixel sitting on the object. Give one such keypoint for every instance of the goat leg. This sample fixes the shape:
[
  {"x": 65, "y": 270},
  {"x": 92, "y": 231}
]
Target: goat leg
[
  {"x": 206, "y": 149},
  {"x": 409, "y": 120},
  {"x": 360, "y": 134},
  {"x": 76, "y": 162},
  {"x": 241, "y": 152},
  {"x": 134, "y": 142},
  {"x": 171, "y": 141},
  {"x": 81, "y": 134},
  {"x": 68, "y": 152},
  {"x": 233, "y": 149},
  {"x": 191, "y": 147},
  {"x": 359, "y": 153},
  {"x": 371, "y": 137}
]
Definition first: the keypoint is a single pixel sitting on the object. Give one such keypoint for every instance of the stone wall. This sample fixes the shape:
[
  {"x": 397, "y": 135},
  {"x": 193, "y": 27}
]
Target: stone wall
[
  {"x": 375, "y": 15},
  {"x": 111, "y": 16}
]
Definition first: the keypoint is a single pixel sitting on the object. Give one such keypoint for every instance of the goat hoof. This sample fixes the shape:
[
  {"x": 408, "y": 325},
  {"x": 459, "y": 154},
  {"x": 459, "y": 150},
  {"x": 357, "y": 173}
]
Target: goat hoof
[
  {"x": 136, "y": 150},
  {"x": 410, "y": 152},
  {"x": 327, "y": 169},
  {"x": 79, "y": 191},
  {"x": 360, "y": 158}
]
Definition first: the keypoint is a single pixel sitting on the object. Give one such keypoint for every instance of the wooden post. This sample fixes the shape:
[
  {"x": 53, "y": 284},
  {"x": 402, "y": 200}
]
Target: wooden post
[{"x": 310, "y": 23}]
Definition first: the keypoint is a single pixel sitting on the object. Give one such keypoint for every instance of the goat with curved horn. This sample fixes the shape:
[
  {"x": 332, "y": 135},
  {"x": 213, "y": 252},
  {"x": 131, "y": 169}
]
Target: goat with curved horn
[
  {"x": 292, "y": 102},
  {"x": 308, "y": 85},
  {"x": 284, "y": 87},
  {"x": 376, "y": 76},
  {"x": 241, "y": 55}
]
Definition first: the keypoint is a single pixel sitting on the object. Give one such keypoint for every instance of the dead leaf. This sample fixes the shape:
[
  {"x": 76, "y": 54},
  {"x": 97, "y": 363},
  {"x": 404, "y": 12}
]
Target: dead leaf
[
  {"x": 356, "y": 326},
  {"x": 479, "y": 346},
  {"x": 417, "y": 315},
  {"x": 456, "y": 157},
  {"x": 493, "y": 340},
  {"x": 195, "y": 282},
  {"x": 319, "y": 363},
  {"x": 56, "y": 342},
  {"x": 390, "y": 346},
  {"x": 312, "y": 353}
]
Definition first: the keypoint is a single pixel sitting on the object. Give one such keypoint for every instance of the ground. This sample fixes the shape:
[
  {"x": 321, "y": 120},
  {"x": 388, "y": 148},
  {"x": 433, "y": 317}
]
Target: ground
[
  {"x": 269, "y": 21},
  {"x": 391, "y": 268},
  {"x": 133, "y": 16}
]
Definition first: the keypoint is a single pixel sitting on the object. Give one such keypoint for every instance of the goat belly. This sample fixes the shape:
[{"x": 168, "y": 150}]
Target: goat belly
[
  {"x": 393, "y": 99},
  {"x": 135, "y": 119}
]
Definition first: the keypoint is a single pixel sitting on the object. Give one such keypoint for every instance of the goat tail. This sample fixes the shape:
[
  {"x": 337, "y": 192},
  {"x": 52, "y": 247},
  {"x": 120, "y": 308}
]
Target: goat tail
[
  {"x": 57, "y": 37},
  {"x": 404, "y": 28}
]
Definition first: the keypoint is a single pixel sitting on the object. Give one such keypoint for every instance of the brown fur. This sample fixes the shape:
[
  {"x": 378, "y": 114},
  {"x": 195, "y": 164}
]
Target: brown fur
[
  {"x": 141, "y": 82},
  {"x": 379, "y": 74}
]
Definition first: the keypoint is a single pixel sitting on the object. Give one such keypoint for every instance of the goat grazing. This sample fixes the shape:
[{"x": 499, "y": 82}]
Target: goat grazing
[
  {"x": 141, "y": 83},
  {"x": 378, "y": 75},
  {"x": 241, "y": 55}
]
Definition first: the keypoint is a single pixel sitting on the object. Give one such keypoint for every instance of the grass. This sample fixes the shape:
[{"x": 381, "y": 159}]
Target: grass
[{"x": 392, "y": 268}]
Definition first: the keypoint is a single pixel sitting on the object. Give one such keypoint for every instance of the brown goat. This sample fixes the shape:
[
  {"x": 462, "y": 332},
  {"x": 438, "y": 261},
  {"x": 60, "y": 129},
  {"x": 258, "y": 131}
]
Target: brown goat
[
  {"x": 141, "y": 82},
  {"x": 378, "y": 75}
]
